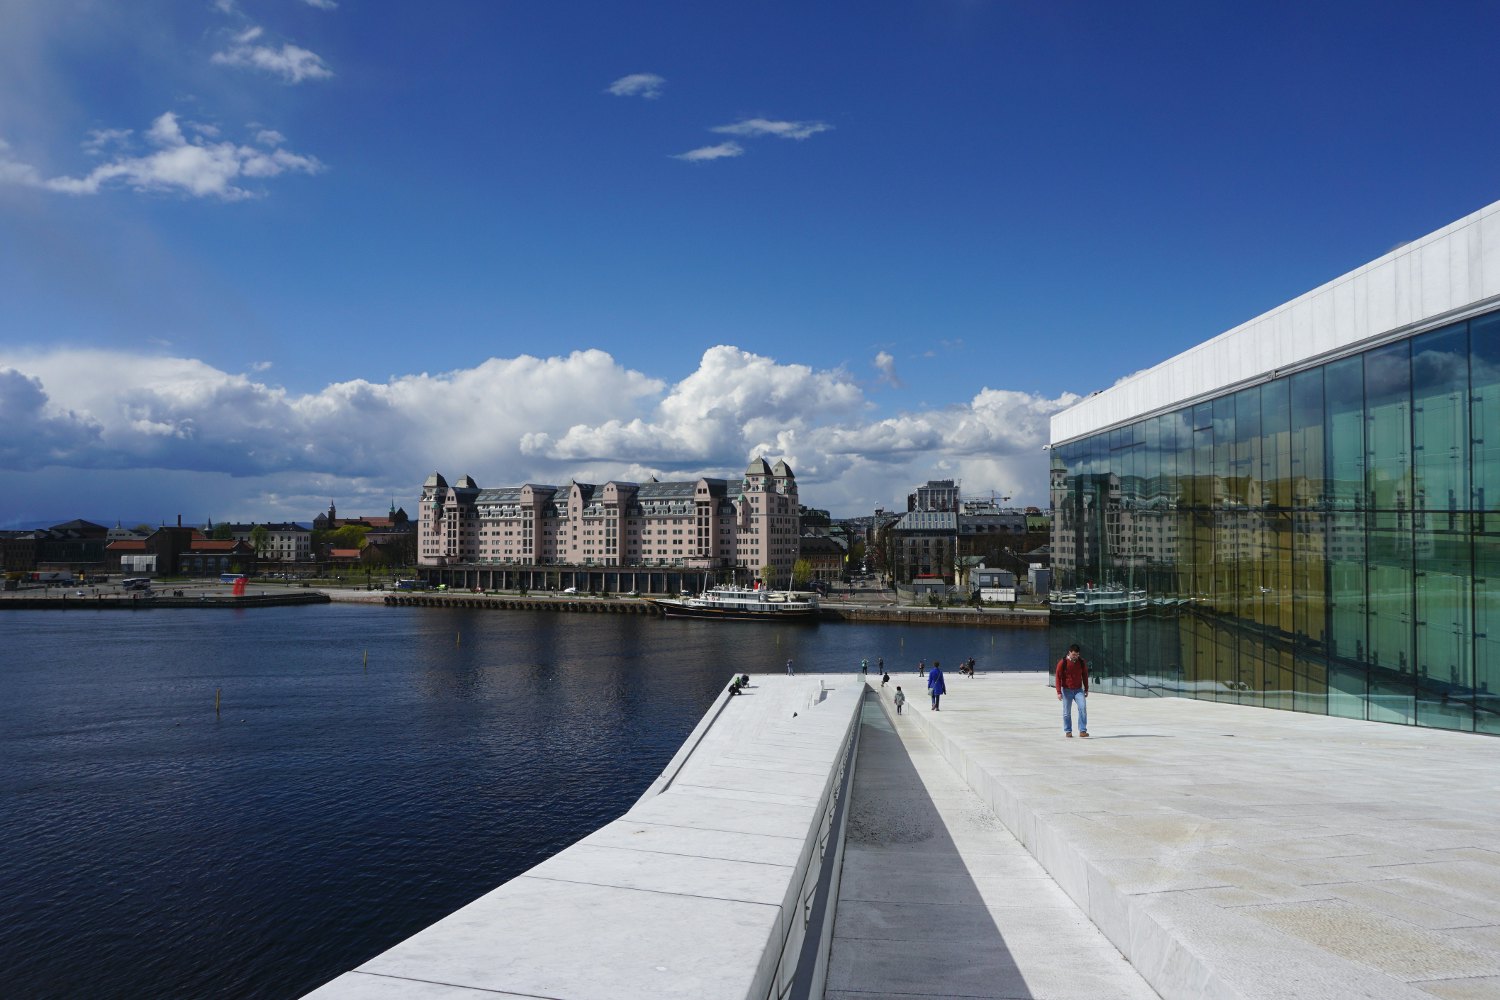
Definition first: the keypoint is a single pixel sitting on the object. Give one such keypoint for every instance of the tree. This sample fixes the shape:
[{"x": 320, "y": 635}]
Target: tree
[
  {"x": 260, "y": 540},
  {"x": 767, "y": 574},
  {"x": 350, "y": 536},
  {"x": 221, "y": 532},
  {"x": 802, "y": 572},
  {"x": 856, "y": 555}
]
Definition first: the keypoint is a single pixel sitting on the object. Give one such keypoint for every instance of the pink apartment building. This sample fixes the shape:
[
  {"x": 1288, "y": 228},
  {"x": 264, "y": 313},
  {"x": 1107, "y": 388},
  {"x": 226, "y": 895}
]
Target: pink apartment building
[{"x": 704, "y": 524}]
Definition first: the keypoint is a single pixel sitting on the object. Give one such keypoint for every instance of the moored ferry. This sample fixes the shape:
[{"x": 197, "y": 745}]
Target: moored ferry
[
  {"x": 1092, "y": 600},
  {"x": 741, "y": 604}
]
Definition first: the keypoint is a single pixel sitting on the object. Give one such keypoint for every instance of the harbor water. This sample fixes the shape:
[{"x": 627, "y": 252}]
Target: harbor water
[{"x": 368, "y": 771}]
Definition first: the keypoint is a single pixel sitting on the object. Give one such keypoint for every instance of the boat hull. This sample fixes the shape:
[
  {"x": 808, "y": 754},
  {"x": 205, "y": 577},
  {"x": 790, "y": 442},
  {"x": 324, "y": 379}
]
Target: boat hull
[{"x": 671, "y": 609}]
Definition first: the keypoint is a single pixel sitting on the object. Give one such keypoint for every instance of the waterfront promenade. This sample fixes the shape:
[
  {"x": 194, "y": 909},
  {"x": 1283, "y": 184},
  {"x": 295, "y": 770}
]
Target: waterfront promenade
[
  {"x": 1223, "y": 852},
  {"x": 1246, "y": 853}
]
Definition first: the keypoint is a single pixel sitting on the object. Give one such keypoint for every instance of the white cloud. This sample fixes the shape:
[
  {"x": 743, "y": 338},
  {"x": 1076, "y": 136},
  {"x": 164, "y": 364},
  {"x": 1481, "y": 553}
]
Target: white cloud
[
  {"x": 886, "y": 365},
  {"x": 100, "y": 138},
  {"x": 322, "y": 4},
  {"x": 754, "y": 127},
  {"x": 647, "y": 85},
  {"x": 292, "y": 63},
  {"x": 269, "y": 137},
  {"x": 505, "y": 421},
  {"x": 179, "y": 164},
  {"x": 703, "y": 153}
]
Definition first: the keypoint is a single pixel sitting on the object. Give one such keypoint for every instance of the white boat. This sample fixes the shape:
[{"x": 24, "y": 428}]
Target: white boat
[
  {"x": 742, "y": 604},
  {"x": 1092, "y": 600}
]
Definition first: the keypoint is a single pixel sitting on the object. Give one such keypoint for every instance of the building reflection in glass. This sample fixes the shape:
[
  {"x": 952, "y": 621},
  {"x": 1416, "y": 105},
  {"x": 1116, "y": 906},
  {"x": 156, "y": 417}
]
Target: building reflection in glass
[{"x": 1326, "y": 541}]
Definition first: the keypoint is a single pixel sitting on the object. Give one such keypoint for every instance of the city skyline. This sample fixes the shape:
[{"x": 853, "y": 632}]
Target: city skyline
[{"x": 258, "y": 255}]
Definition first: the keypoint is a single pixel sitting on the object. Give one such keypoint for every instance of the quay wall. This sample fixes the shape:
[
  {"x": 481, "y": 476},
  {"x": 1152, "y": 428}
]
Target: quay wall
[
  {"x": 939, "y": 616},
  {"x": 140, "y": 602},
  {"x": 629, "y": 606},
  {"x": 493, "y": 602}
]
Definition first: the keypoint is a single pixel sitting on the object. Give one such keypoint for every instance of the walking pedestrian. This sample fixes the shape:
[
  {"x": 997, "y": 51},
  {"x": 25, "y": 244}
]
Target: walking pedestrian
[
  {"x": 789, "y": 668},
  {"x": 900, "y": 699},
  {"x": 1073, "y": 687},
  {"x": 921, "y": 668},
  {"x": 935, "y": 684},
  {"x": 885, "y": 679}
]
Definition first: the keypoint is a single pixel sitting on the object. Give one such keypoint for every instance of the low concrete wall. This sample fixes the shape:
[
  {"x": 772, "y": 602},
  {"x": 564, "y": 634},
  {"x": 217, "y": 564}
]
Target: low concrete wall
[{"x": 715, "y": 884}]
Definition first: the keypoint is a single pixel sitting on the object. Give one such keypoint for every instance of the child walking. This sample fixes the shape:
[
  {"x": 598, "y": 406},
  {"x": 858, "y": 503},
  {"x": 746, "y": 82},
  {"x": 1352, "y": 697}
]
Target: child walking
[{"x": 900, "y": 699}]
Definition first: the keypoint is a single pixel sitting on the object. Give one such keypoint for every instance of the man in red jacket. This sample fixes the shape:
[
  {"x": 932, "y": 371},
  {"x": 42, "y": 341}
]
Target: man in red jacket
[{"x": 1073, "y": 686}]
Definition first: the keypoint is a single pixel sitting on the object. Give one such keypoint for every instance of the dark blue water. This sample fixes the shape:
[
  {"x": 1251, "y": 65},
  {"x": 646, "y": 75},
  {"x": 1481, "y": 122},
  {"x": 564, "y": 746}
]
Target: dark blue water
[{"x": 149, "y": 848}]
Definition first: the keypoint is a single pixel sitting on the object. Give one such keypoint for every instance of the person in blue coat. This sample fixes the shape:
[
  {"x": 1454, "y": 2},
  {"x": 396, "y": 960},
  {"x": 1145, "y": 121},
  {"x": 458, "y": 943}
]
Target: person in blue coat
[{"x": 935, "y": 684}]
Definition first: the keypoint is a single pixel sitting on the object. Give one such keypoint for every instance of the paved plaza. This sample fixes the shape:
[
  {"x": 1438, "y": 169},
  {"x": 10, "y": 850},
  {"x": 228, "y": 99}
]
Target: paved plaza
[{"x": 1237, "y": 852}]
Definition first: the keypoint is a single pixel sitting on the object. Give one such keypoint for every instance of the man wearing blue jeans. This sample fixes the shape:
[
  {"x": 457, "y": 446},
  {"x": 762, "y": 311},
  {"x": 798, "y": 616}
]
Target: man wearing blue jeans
[{"x": 1073, "y": 687}]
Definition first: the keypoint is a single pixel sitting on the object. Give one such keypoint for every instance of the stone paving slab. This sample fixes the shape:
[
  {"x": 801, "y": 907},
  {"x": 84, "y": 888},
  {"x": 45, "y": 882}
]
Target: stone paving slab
[
  {"x": 937, "y": 899},
  {"x": 1240, "y": 852}
]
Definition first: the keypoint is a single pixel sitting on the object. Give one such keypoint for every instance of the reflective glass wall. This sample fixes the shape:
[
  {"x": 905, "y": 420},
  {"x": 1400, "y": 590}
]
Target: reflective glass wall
[{"x": 1328, "y": 541}]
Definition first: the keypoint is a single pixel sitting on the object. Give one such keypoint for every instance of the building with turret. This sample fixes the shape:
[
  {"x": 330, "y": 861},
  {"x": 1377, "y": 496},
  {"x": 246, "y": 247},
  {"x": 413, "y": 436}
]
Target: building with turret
[{"x": 734, "y": 528}]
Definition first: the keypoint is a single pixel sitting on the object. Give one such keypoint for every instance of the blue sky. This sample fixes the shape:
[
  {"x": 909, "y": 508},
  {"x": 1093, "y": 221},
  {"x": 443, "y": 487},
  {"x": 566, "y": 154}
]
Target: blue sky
[{"x": 260, "y": 254}]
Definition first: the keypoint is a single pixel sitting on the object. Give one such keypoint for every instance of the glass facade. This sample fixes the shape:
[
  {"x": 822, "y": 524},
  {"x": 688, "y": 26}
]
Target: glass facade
[{"x": 1327, "y": 541}]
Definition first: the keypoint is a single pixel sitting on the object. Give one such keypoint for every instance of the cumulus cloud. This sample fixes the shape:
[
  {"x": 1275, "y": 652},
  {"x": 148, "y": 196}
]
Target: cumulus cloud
[
  {"x": 755, "y": 127},
  {"x": 178, "y": 163},
  {"x": 322, "y": 4},
  {"x": 505, "y": 421},
  {"x": 36, "y": 436},
  {"x": 704, "y": 153},
  {"x": 647, "y": 85},
  {"x": 292, "y": 63},
  {"x": 885, "y": 364}
]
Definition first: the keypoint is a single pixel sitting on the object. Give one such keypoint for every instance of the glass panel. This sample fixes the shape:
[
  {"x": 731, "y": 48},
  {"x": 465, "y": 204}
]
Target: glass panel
[
  {"x": 1307, "y": 439},
  {"x": 1346, "y": 585},
  {"x": 1389, "y": 585},
  {"x": 1310, "y": 581},
  {"x": 1276, "y": 452},
  {"x": 1487, "y": 632},
  {"x": 1445, "y": 673},
  {"x": 1310, "y": 683},
  {"x": 1344, "y": 434},
  {"x": 1484, "y": 381},
  {"x": 1440, "y": 426}
]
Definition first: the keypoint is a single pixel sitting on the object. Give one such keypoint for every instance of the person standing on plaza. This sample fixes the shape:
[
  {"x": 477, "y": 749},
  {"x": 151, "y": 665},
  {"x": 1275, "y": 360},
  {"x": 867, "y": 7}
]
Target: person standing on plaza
[
  {"x": 900, "y": 699},
  {"x": 789, "y": 667},
  {"x": 935, "y": 684},
  {"x": 921, "y": 668},
  {"x": 1073, "y": 687}
]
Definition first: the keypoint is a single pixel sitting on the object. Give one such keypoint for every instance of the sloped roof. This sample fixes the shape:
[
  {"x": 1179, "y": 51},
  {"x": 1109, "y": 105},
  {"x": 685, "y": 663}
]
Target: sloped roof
[
  {"x": 78, "y": 524},
  {"x": 219, "y": 545},
  {"x": 126, "y": 545},
  {"x": 928, "y": 520},
  {"x": 758, "y": 468},
  {"x": 667, "y": 491}
]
